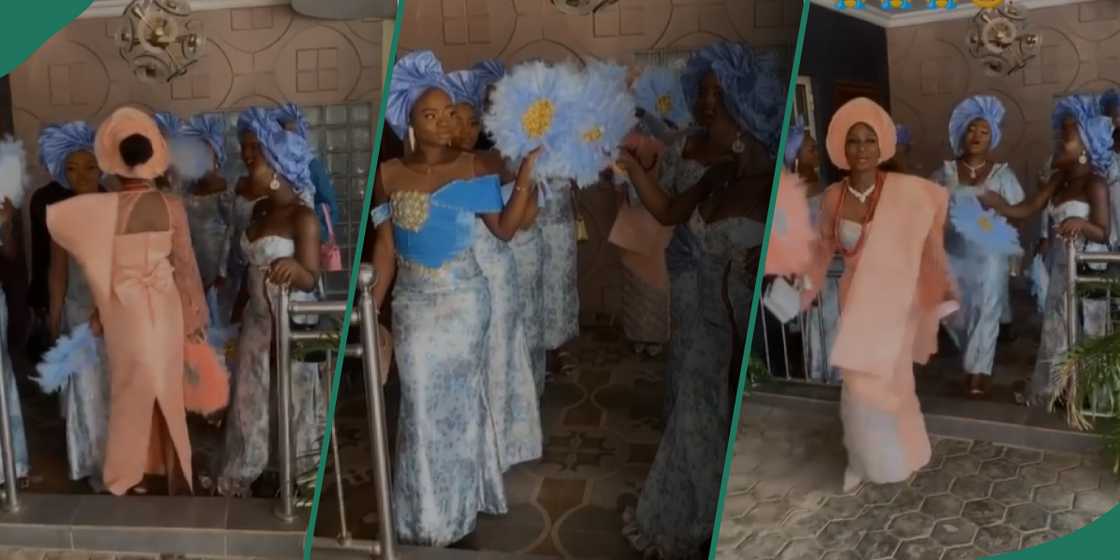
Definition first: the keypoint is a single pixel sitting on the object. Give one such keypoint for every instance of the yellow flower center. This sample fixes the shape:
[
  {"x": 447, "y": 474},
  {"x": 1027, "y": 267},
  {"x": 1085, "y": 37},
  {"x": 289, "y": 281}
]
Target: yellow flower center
[
  {"x": 537, "y": 118},
  {"x": 593, "y": 135},
  {"x": 664, "y": 104},
  {"x": 985, "y": 224}
]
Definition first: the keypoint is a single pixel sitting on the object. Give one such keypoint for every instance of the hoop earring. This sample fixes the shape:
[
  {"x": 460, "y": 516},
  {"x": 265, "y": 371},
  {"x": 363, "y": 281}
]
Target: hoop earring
[
  {"x": 1082, "y": 159},
  {"x": 274, "y": 184},
  {"x": 411, "y": 139}
]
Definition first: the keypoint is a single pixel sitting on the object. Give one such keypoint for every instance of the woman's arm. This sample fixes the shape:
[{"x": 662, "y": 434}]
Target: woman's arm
[
  {"x": 196, "y": 314},
  {"x": 57, "y": 279},
  {"x": 668, "y": 209},
  {"x": 1096, "y": 228},
  {"x": 300, "y": 271},
  {"x": 504, "y": 225},
  {"x": 384, "y": 249},
  {"x": 8, "y": 246},
  {"x": 1028, "y": 207}
]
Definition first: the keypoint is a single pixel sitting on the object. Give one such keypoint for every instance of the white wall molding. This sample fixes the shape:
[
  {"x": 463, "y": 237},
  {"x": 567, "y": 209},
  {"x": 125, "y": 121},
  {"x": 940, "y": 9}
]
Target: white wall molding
[
  {"x": 872, "y": 13},
  {"x": 114, "y": 8}
]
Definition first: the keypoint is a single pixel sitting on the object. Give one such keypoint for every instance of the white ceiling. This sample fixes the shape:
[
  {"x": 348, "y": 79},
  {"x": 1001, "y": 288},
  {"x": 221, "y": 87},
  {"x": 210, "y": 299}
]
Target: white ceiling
[
  {"x": 112, "y": 8},
  {"x": 920, "y": 13}
]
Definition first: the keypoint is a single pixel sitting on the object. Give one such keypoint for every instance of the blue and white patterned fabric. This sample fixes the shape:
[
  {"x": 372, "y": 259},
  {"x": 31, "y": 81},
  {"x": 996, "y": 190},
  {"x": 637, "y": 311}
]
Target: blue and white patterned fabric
[
  {"x": 676, "y": 509},
  {"x": 982, "y": 276},
  {"x": 509, "y": 371},
  {"x": 560, "y": 277},
  {"x": 448, "y": 467}
]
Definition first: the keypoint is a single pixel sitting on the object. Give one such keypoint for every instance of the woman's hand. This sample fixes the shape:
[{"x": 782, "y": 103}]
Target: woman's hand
[
  {"x": 529, "y": 162},
  {"x": 1074, "y": 227},
  {"x": 993, "y": 200},
  {"x": 284, "y": 270}
]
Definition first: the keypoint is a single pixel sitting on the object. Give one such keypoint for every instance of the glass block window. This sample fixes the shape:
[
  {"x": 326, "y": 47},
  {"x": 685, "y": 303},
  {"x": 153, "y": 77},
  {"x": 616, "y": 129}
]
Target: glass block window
[{"x": 342, "y": 137}]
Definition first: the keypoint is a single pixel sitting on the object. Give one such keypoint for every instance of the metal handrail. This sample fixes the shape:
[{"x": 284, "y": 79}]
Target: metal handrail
[
  {"x": 11, "y": 480},
  {"x": 1076, "y": 257},
  {"x": 369, "y": 350}
]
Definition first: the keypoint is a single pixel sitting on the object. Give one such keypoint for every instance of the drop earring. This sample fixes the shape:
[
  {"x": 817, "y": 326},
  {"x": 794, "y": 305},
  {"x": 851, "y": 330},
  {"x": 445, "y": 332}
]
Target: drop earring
[
  {"x": 411, "y": 139},
  {"x": 738, "y": 146},
  {"x": 1083, "y": 158},
  {"x": 274, "y": 184}
]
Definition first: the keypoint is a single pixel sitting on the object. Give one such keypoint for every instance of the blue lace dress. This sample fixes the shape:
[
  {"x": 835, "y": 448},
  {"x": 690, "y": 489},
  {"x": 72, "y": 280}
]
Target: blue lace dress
[
  {"x": 982, "y": 277},
  {"x": 447, "y": 467},
  {"x": 509, "y": 367},
  {"x": 676, "y": 509},
  {"x": 560, "y": 254}
]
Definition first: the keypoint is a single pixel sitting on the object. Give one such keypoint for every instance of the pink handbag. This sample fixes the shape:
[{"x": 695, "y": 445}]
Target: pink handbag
[{"x": 330, "y": 256}]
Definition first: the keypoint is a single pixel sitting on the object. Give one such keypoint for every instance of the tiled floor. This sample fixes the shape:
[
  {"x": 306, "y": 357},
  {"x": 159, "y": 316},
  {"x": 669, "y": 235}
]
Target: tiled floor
[
  {"x": 602, "y": 425},
  {"x": 973, "y": 500}
]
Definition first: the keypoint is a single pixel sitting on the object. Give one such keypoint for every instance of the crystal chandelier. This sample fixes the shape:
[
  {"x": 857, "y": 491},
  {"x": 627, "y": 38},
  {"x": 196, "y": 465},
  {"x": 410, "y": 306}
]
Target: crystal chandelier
[
  {"x": 157, "y": 40},
  {"x": 1000, "y": 41}
]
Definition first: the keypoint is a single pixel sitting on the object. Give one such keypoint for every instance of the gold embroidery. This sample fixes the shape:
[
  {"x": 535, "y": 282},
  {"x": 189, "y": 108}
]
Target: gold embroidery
[
  {"x": 421, "y": 270},
  {"x": 410, "y": 209}
]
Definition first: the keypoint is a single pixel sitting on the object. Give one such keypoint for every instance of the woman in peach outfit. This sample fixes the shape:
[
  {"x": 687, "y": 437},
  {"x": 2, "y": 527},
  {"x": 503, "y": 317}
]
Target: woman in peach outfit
[
  {"x": 134, "y": 248},
  {"x": 895, "y": 288}
]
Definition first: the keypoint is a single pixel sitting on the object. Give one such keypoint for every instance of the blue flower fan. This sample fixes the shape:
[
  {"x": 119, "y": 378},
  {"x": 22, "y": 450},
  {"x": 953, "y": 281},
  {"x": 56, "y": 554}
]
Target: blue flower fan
[
  {"x": 599, "y": 127},
  {"x": 191, "y": 156},
  {"x": 659, "y": 92},
  {"x": 985, "y": 228},
  {"x": 535, "y": 106},
  {"x": 72, "y": 354},
  {"x": 13, "y": 171}
]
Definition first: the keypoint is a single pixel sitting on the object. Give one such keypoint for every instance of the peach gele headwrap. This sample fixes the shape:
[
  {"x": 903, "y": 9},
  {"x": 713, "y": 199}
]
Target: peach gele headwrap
[
  {"x": 856, "y": 111},
  {"x": 125, "y": 122}
]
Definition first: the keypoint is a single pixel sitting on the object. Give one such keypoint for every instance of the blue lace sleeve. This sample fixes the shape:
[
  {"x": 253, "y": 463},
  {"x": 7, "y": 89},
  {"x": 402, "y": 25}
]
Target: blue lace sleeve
[{"x": 380, "y": 214}]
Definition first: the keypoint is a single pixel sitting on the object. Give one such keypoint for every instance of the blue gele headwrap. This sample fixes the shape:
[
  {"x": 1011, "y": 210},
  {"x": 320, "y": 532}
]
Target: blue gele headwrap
[
  {"x": 537, "y": 105},
  {"x": 414, "y": 74},
  {"x": 794, "y": 139},
  {"x": 291, "y": 113},
  {"x": 984, "y": 107},
  {"x": 597, "y": 131},
  {"x": 902, "y": 133},
  {"x": 210, "y": 128},
  {"x": 286, "y": 152},
  {"x": 752, "y": 90},
  {"x": 659, "y": 92},
  {"x": 58, "y": 141},
  {"x": 1095, "y": 129},
  {"x": 170, "y": 125},
  {"x": 470, "y": 86},
  {"x": 1110, "y": 101}
]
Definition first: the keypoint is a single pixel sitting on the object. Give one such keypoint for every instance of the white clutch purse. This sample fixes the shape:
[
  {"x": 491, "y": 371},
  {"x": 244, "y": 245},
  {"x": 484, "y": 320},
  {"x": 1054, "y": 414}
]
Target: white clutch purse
[{"x": 782, "y": 300}]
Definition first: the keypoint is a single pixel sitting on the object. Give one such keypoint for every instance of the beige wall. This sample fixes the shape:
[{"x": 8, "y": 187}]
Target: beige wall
[
  {"x": 254, "y": 56},
  {"x": 931, "y": 71},
  {"x": 462, "y": 32}
]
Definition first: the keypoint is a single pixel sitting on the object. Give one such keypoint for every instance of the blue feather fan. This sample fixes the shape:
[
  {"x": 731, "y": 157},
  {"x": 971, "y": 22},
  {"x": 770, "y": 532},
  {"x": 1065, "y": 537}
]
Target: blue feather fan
[
  {"x": 607, "y": 116},
  {"x": 659, "y": 92},
  {"x": 533, "y": 106},
  {"x": 986, "y": 228},
  {"x": 72, "y": 354}
]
